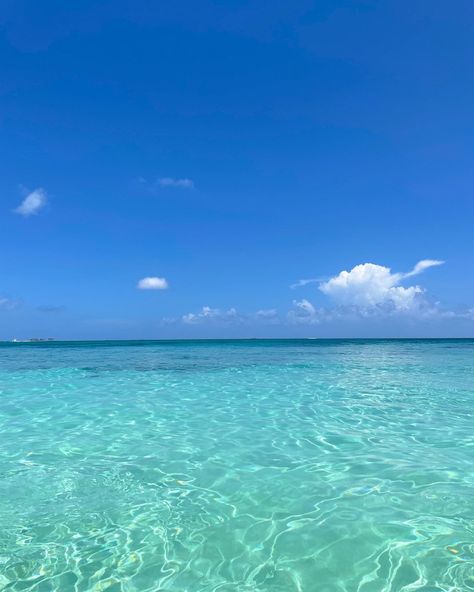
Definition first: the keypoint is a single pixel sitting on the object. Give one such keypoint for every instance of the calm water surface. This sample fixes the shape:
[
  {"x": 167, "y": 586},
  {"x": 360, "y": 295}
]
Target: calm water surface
[{"x": 325, "y": 466}]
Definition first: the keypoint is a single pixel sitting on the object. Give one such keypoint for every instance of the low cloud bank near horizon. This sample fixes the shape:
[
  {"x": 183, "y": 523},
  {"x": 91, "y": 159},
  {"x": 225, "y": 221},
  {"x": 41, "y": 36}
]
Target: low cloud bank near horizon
[
  {"x": 365, "y": 296},
  {"x": 367, "y": 291}
]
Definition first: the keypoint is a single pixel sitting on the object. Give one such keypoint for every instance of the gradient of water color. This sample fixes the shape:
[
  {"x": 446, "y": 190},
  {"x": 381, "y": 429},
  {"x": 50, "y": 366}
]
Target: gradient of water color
[{"x": 326, "y": 466}]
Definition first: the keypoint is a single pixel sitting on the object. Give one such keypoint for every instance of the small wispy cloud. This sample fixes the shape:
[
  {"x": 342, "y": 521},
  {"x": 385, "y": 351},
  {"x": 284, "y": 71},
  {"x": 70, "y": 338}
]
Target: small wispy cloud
[
  {"x": 421, "y": 266},
  {"x": 50, "y": 308},
  {"x": 152, "y": 283},
  {"x": 172, "y": 182},
  {"x": 306, "y": 282},
  {"x": 33, "y": 203},
  {"x": 8, "y": 303},
  {"x": 156, "y": 186}
]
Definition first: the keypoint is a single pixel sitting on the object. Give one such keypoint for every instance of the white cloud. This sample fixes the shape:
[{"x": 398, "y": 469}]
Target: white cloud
[
  {"x": 421, "y": 266},
  {"x": 33, "y": 203},
  {"x": 303, "y": 312},
  {"x": 369, "y": 285},
  {"x": 267, "y": 313},
  {"x": 210, "y": 314},
  {"x": 369, "y": 291},
  {"x": 8, "y": 303},
  {"x": 305, "y": 282},
  {"x": 305, "y": 307},
  {"x": 231, "y": 316},
  {"x": 155, "y": 186},
  {"x": 171, "y": 182},
  {"x": 366, "y": 292},
  {"x": 152, "y": 283}
]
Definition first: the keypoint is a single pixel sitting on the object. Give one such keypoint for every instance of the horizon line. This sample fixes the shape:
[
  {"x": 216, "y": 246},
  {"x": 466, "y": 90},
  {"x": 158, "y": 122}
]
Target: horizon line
[{"x": 203, "y": 339}]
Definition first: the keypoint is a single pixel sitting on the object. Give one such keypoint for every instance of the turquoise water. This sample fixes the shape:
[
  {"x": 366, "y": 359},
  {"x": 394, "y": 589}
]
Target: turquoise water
[{"x": 326, "y": 466}]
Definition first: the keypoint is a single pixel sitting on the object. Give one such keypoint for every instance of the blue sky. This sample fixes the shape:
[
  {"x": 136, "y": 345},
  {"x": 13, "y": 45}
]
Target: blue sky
[{"x": 231, "y": 149}]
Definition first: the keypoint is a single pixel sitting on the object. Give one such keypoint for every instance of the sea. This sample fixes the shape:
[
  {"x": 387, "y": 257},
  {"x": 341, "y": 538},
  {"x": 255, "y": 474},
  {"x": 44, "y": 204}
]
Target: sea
[{"x": 237, "y": 466}]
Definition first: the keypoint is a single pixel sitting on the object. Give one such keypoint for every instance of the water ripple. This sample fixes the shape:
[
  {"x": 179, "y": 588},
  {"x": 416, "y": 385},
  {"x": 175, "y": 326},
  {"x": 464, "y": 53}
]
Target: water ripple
[{"x": 336, "y": 467}]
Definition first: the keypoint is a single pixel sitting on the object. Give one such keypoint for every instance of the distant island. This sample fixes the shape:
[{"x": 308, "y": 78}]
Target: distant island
[{"x": 33, "y": 340}]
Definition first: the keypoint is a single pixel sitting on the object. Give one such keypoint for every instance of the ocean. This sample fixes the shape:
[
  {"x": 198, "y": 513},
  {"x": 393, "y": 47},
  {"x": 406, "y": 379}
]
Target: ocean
[{"x": 237, "y": 466}]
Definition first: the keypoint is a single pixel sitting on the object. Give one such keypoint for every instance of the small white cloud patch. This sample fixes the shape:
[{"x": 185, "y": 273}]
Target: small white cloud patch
[
  {"x": 33, "y": 203},
  {"x": 267, "y": 313},
  {"x": 8, "y": 303},
  {"x": 303, "y": 312},
  {"x": 305, "y": 282},
  {"x": 152, "y": 283},
  {"x": 171, "y": 182}
]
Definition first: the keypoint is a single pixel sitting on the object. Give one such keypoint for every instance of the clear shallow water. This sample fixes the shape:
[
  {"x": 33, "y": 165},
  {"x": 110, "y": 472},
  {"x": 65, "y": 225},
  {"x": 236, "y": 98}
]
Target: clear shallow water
[{"x": 326, "y": 466}]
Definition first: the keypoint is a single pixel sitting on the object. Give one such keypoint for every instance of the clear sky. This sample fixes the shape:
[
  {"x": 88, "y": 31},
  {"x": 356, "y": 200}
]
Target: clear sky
[{"x": 175, "y": 169}]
